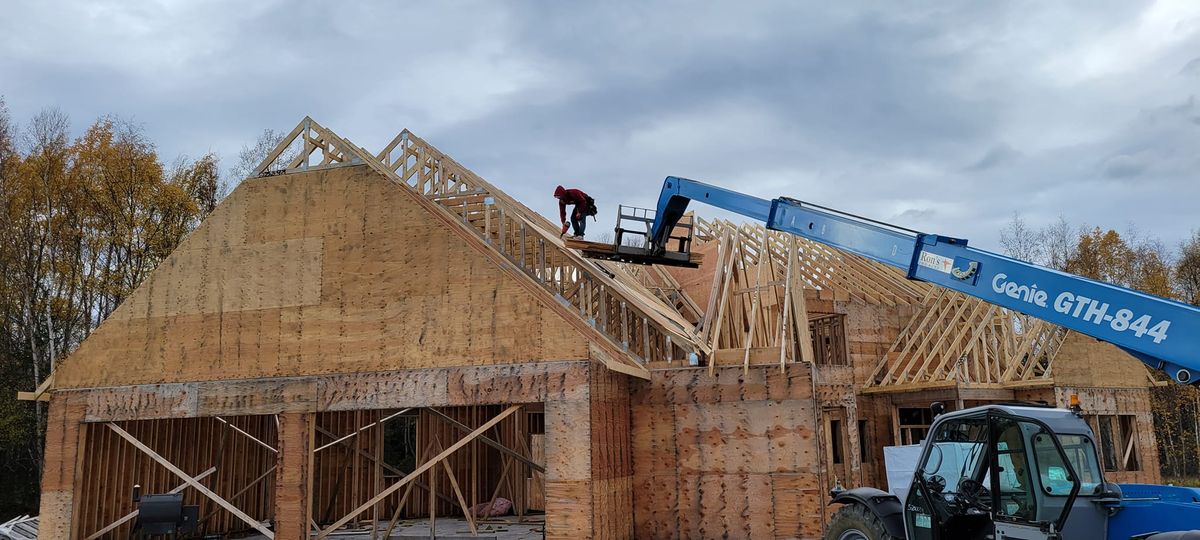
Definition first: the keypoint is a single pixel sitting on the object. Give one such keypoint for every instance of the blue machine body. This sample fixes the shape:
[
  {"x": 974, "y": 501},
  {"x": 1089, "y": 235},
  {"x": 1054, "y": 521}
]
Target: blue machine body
[
  {"x": 1162, "y": 333},
  {"x": 1148, "y": 508}
]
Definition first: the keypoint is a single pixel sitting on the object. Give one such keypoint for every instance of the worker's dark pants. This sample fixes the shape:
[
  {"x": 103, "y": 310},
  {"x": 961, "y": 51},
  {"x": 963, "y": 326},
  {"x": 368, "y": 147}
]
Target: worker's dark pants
[{"x": 578, "y": 223}]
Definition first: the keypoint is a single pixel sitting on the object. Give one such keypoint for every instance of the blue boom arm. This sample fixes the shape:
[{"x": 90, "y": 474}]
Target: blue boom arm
[{"x": 1163, "y": 333}]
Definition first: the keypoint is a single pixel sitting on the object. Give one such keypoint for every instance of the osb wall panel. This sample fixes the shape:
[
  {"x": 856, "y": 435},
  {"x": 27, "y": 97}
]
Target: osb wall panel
[
  {"x": 1083, "y": 361},
  {"x": 612, "y": 459},
  {"x": 728, "y": 455},
  {"x": 568, "y": 469},
  {"x": 1122, "y": 401},
  {"x": 870, "y": 332},
  {"x": 65, "y": 437},
  {"x": 698, "y": 282},
  {"x": 331, "y": 271}
]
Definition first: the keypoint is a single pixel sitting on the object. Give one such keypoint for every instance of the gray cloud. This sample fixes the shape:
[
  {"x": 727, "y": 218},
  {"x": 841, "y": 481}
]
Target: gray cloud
[
  {"x": 914, "y": 215},
  {"x": 995, "y": 156},
  {"x": 1191, "y": 68},
  {"x": 1125, "y": 166},
  {"x": 900, "y": 110}
]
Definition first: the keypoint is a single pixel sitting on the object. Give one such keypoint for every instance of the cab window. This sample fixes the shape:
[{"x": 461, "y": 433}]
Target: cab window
[
  {"x": 956, "y": 454},
  {"x": 1081, "y": 452},
  {"x": 1052, "y": 470},
  {"x": 1016, "y": 498}
]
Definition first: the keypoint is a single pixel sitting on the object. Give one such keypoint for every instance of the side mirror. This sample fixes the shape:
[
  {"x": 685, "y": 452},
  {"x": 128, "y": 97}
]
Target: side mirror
[{"x": 1108, "y": 491}]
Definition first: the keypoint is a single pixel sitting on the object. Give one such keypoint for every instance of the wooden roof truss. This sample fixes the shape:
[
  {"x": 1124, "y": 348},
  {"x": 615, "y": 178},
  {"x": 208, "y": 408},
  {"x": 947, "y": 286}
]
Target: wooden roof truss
[
  {"x": 660, "y": 282},
  {"x": 757, "y": 312},
  {"x": 609, "y": 300},
  {"x": 308, "y": 146},
  {"x": 959, "y": 338},
  {"x": 953, "y": 338},
  {"x": 821, "y": 267}
]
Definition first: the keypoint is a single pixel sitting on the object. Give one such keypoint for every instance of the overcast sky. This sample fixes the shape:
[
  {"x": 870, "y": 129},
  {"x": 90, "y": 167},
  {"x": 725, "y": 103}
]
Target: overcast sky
[{"x": 944, "y": 119}]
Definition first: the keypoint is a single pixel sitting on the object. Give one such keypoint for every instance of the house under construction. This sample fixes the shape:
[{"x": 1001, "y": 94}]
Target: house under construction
[{"x": 352, "y": 338}]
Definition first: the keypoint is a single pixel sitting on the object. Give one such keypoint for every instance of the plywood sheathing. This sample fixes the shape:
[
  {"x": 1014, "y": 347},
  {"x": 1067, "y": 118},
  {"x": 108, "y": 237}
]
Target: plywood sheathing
[
  {"x": 568, "y": 469},
  {"x": 697, "y": 282},
  {"x": 1087, "y": 362},
  {"x": 870, "y": 329},
  {"x": 733, "y": 454},
  {"x": 259, "y": 239},
  {"x": 320, "y": 272},
  {"x": 612, "y": 460},
  {"x": 65, "y": 438},
  {"x": 1120, "y": 401}
]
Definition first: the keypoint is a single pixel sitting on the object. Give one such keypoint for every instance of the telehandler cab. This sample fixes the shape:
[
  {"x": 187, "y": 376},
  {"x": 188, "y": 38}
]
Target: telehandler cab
[{"x": 1016, "y": 471}]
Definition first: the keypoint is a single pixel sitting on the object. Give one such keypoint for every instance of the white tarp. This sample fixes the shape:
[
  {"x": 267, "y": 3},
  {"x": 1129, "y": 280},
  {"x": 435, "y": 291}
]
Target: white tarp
[{"x": 899, "y": 463}]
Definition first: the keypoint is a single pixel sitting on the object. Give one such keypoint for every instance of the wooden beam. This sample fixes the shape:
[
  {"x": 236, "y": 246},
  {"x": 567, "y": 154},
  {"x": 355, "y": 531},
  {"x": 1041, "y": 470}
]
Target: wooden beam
[
  {"x": 755, "y": 304},
  {"x": 294, "y": 466},
  {"x": 124, "y": 519},
  {"x": 40, "y": 393},
  {"x": 800, "y": 306},
  {"x": 908, "y": 387},
  {"x": 419, "y": 470},
  {"x": 192, "y": 481},
  {"x": 720, "y": 287}
]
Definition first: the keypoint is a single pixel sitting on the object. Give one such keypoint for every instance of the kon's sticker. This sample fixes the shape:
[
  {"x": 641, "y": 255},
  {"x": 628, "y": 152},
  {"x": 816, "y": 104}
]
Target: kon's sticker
[{"x": 936, "y": 262}]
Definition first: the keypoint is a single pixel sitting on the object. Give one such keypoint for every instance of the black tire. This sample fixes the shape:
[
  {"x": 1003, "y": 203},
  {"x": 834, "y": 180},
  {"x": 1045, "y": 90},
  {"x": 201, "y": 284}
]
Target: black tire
[{"x": 855, "y": 522}]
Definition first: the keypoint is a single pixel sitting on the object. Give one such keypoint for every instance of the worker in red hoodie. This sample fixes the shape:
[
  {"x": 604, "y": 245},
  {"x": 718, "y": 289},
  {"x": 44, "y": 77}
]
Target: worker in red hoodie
[{"x": 582, "y": 207}]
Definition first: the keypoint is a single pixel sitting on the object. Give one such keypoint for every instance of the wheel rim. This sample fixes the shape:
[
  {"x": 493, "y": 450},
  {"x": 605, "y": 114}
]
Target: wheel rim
[{"x": 853, "y": 534}]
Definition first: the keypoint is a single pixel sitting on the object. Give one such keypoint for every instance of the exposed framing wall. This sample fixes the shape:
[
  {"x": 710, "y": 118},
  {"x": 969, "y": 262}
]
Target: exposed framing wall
[
  {"x": 588, "y": 476},
  {"x": 110, "y": 466}
]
